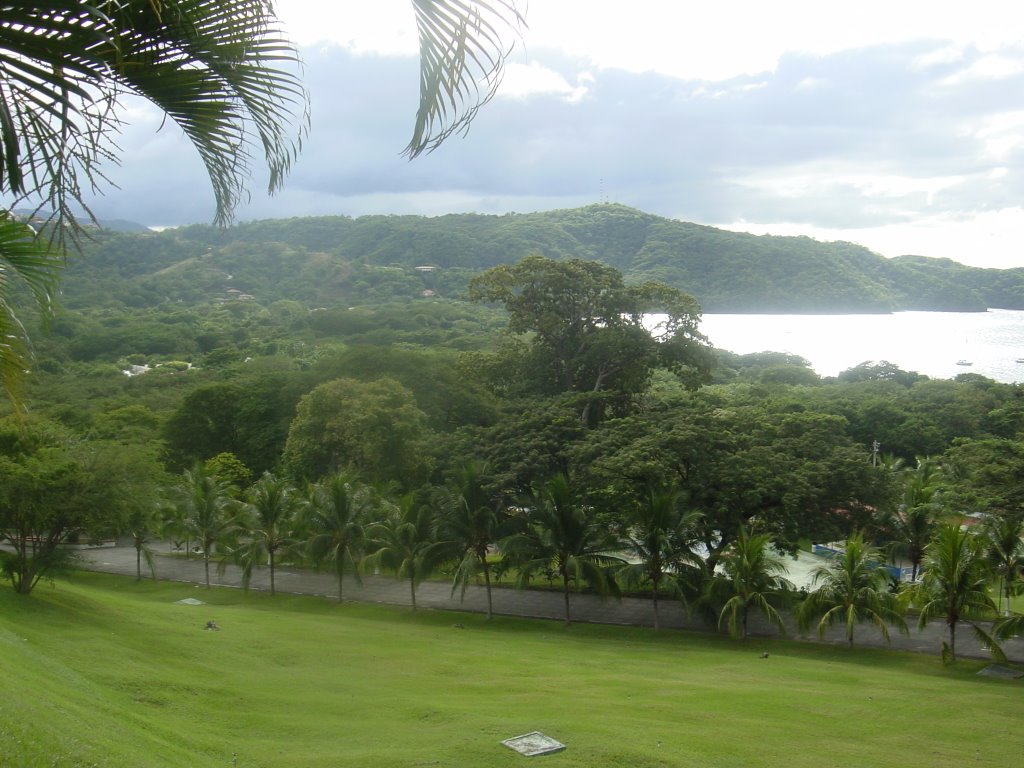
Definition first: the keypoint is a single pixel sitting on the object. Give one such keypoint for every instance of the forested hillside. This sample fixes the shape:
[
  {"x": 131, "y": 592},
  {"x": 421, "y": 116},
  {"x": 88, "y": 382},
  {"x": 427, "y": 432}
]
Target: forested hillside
[{"x": 328, "y": 261}]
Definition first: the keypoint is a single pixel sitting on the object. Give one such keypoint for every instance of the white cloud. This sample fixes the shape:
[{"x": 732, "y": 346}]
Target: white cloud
[
  {"x": 524, "y": 80},
  {"x": 1002, "y": 134},
  {"x": 990, "y": 239},
  {"x": 993, "y": 67}
]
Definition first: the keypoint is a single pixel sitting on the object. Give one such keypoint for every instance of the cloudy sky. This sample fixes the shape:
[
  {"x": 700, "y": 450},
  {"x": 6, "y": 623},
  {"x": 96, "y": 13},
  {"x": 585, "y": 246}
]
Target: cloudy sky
[{"x": 898, "y": 125}]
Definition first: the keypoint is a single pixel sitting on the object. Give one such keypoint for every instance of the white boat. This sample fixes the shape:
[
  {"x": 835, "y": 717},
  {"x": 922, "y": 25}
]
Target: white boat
[{"x": 965, "y": 363}]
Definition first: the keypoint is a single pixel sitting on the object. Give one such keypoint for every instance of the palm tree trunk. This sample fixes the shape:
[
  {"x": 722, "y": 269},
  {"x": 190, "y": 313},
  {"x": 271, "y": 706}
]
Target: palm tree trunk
[
  {"x": 654, "y": 598},
  {"x": 340, "y": 564},
  {"x": 952, "y": 641},
  {"x": 271, "y": 553},
  {"x": 206, "y": 563},
  {"x": 412, "y": 590},
  {"x": 487, "y": 584},
  {"x": 138, "y": 563},
  {"x": 565, "y": 593}
]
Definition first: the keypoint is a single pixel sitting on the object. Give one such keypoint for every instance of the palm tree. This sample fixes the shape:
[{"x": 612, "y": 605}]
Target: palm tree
[
  {"x": 468, "y": 525},
  {"x": 403, "y": 542},
  {"x": 913, "y": 522},
  {"x": 661, "y": 541},
  {"x": 140, "y": 524},
  {"x": 338, "y": 509},
  {"x": 221, "y": 69},
  {"x": 270, "y": 513},
  {"x": 852, "y": 588},
  {"x": 208, "y": 510},
  {"x": 751, "y": 580},
  {"x": 955, "y": 585},
  {"x": 1004, "y": 539},
  {"x": 559, "y": 534}
]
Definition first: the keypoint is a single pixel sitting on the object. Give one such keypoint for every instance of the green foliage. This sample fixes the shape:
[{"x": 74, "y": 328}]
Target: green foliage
[
  {"x": 749, "y": 580},
  {"x": 339, "y": 509},
  {"x": 52, "y": 492},
  {"x": 371, "y": 427},
  {"x": 207, "y": 512},
  {"x": 851, "y": 589},
  {"x": 661, "y": 540},
  {"x": 586, "y": 330},
  {"x": 470, "y": 521},
  {"x": 955, "y": 586},
  {"x": 556, "y": 533},
  {"x": 270, "y": 520},
  {"x": 403, "y": 541}
]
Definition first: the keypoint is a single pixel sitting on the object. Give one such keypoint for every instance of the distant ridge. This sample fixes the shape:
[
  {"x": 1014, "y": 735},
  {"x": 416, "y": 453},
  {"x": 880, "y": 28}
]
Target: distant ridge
[{"x": 330, "y": 259}]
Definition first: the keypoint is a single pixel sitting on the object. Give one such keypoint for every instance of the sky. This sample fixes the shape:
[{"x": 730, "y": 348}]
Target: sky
[{"x": 897, "y": 125}]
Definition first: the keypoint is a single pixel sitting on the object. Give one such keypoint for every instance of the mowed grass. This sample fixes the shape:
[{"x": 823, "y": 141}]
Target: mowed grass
[{"x": 102, "y": 671}]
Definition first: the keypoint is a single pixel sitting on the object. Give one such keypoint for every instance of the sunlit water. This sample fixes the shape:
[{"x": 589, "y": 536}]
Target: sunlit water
[{"x": 927, "y": 342}]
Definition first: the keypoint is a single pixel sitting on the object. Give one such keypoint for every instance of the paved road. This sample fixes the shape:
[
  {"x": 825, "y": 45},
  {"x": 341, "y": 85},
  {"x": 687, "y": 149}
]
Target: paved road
[{"x": 511, "y": 602}]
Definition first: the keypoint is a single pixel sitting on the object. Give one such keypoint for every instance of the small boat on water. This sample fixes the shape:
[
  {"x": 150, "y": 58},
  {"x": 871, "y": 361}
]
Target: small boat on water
[
  {"x": 965, "y": 363},
  {"x": 1020, "y": 359}
]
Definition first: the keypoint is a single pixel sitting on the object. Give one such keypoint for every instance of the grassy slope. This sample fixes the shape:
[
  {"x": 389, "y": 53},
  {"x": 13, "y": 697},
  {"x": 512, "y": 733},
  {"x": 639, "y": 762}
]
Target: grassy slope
[{"x": 105, "y": 672}]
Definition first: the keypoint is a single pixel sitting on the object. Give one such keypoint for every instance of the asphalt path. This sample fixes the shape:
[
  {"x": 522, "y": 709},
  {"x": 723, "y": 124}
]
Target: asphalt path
[{"x": 527, "y": 603}]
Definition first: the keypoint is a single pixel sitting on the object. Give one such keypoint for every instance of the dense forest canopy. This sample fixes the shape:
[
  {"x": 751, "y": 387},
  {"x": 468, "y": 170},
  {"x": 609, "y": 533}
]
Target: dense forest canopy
[{"x": 382, "y": 370}]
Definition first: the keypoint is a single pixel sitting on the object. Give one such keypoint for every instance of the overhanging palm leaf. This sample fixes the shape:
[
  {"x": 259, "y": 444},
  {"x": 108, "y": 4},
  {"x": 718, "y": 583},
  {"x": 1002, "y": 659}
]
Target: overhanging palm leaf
[
  {"x": 220, "y": 69},
  {"x": 25, "y": 261},
  {"x": 462, "y": 56}
]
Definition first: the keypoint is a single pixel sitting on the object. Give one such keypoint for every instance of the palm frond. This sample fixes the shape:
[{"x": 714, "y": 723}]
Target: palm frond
[
  {"x": 462, "y": 57},
  {"x": 27, "y": 261}
]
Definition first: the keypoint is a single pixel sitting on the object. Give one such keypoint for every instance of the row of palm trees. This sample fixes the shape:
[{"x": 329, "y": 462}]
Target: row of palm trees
[{"x": 466, "y": 529}]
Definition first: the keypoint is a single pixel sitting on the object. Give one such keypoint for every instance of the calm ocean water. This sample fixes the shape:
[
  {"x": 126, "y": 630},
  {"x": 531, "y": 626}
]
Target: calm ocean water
[{"x": 927, "y": 342}]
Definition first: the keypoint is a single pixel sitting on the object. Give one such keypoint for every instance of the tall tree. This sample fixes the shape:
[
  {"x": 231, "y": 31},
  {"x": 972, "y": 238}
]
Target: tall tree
[
  {"x": 558, "y": 534},
  {"x": 469, "y": 524},
  {"x": 661, "y": 539},
  {"x": 955, "y": 586},
  {"x": 913, "y": 521},
  {"x": 587, "y": 331},
  {"x": 270, "y": 518},
  {"x": 852, "y": 588},
  {"x": 751, "y": 579},
  {"x": 371, "y": 427},
  {"x": 339, "y": 509},
  {"x": 208, "y": 512},
  {"x": 1004, "y": 545},
  {"x": 403, "y": 542},
  {"x": 141, "y": 525},
  {"x": 53, "y": 489}
]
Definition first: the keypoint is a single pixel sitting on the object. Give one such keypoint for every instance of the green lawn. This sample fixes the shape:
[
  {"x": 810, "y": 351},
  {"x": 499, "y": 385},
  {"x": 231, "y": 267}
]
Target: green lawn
[{"x": 101, "y": 671}]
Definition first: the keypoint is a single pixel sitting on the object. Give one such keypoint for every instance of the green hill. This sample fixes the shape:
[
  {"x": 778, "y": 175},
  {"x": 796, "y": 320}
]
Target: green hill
[{"x": 337, "y": 260}]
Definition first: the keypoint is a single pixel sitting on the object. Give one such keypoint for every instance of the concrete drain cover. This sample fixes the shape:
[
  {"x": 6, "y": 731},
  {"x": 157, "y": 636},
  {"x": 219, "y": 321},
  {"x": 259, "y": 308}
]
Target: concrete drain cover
[
  {"x": 191, "y": 601},
  {"x": 533, "y": 744}
]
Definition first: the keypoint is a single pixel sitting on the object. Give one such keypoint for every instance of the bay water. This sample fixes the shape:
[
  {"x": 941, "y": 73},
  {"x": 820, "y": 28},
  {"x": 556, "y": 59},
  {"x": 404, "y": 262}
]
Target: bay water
[{"x": 937, "y": 344}]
